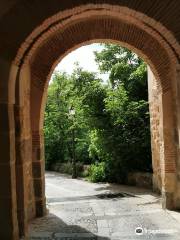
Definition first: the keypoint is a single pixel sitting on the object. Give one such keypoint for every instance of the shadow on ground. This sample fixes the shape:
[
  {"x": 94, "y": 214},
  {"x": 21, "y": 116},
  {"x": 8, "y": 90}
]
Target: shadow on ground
[
  {"x": 54, "y": 228},
  {"x": 127, "y": 189},
  {"x": 104, "y": 196}
]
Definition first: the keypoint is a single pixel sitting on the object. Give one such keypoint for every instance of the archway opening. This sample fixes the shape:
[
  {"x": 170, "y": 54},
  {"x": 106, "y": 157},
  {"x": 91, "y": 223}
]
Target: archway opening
[
  {"x": 63, "y": 198},
  {"x": 37, "y": 63},
  {"x": 110, "y": 128}
]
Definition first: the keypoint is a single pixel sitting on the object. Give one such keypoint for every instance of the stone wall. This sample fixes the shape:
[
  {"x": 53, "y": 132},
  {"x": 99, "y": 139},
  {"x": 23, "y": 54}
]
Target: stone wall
[{"x": 140, "y": 179}]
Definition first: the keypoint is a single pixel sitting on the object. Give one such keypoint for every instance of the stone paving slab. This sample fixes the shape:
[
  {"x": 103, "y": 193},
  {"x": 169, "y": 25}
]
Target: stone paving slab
[{"x": 89, "y": 217}]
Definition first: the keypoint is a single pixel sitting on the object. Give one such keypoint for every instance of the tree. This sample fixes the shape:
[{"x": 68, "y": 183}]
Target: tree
[
  {"x": 128, "y": 140},
  {"x": 56, "y": 120},
  {"x": 62, "y": 95},
  {"x": 111, "y": 123}
]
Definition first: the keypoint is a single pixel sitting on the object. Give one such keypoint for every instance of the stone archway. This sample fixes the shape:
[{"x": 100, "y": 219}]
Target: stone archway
[{"x": 28, "y": 80}]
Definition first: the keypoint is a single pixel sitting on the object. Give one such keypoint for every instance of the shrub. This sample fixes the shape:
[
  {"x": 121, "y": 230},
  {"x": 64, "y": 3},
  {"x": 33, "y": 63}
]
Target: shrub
[{"x": 97, "y": 172}]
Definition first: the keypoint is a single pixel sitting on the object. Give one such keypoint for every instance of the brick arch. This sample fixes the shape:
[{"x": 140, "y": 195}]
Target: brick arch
[
  {"x": 43, "y": 61},
  {"x": 62, "y": 20},
  {"x": 145, "y": 18},
  {"x": 59, "y": 41}
]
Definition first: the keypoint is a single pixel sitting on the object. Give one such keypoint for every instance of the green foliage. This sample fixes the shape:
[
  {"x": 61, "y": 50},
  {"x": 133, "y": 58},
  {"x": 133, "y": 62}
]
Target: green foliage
[
  {"x": 59, "y": 124},
  {"x": 97, "y": 172},
  {"x": 97, "y": 148},
  {"x": 55, "y": 120},
  {"x": 111, "y": 122},
  {"x": 127, "y": 139},
  {"x": 113, "y": 54},
  {"x": 136, "y": 84},
  {"x": 65, "y": 168}
]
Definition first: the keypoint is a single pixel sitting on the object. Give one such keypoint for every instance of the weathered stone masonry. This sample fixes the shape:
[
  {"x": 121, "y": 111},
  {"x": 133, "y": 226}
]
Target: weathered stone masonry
[{"x": 34, "y": 36}]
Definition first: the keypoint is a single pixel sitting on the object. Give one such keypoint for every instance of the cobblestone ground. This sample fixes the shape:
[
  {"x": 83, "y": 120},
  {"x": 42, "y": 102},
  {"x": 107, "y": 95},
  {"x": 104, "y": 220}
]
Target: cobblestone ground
[{"x": 79, "y": 210}]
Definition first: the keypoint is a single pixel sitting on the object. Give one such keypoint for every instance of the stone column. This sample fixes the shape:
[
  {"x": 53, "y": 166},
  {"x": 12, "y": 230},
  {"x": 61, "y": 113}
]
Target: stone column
[
  {"x": 8, "y": 203},
  {"x": 38, "y": 159},
  {"x": 163, "y": 141},
  {"x": 24, "y": 188},
  {"x": 177, "y": 87},
  {"x": 154, "y": 109},
  {"x": 39, "y": 172},
  {"x": 168, "y": 151}
]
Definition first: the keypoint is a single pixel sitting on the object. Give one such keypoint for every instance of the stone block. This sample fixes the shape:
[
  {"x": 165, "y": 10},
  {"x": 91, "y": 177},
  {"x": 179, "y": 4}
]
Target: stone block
[
  {"x": 39, "y": 187},
  {"x": 7, "y": 180},
  {"x": 41, "y": 207}
]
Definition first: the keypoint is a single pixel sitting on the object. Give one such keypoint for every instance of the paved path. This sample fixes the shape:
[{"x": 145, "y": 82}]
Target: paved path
[{"x": 79, "y": 210}]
